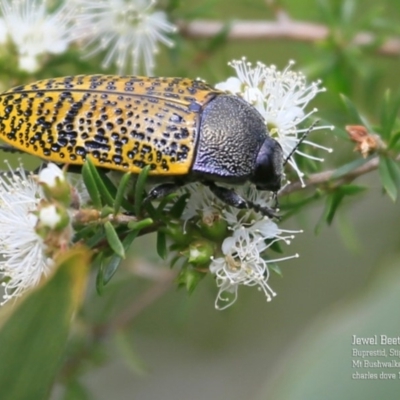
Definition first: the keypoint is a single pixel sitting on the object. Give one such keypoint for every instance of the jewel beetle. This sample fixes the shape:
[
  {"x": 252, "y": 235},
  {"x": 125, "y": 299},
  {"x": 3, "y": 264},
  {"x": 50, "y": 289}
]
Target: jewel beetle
[{"x": 184, "y": 129}]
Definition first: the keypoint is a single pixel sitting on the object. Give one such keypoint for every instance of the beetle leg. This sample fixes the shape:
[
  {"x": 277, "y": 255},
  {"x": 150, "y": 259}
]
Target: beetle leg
[
  {"x": 162, "y": 190},
  {"x": 231, "y": 198},
  {"x": 228, "y": 196},
  {"x": 276, "y": 200},
  {"x": 267, "y": 211}
]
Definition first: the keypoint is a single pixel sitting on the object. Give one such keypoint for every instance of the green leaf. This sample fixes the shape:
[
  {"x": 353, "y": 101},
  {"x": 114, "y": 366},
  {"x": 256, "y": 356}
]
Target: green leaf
[
  {"x": 175, "y": 260},
  {"x": 333, "y": 204},
  {"x": 84, "y": 232},
  {"x": 189, "y": 278},
  {"x": 140, "y": 188},
  {"x": 150, "y": 209},
  {"x": 121, "y": 191},
  {"x": 32, "y": 341},
  {"x": 99, "y": 259},
  {"x": 129, "y": 355},
  {"x": 90, "y": 184},
  {"x": 164, "y": 201},
  {"x": 104, "y": 175},
  {"x": 275, "y": 246},
  {"x": 106, "y": 211},
  {"x": 179, "y": 207},
  {"x": 275, "y": 267},
  {"x": 337, "y": 197},
  {"x": 105, "y": 193},
  {"x": 127, "y": 242},
  {"x": 351, "y": 109},
  {"x": 108, "y": 183},
  {"x": 394, "y": 169},
  {"x": 110, "y": 268},
  {"x": 384, "y": 120},
  {"x": 351, "y": 166},
  {"x": 96, "y": 238},
  {"x": 355, "y": 116},
  {"x": 293, "y": 208},
  {"x": 161, "y": 244},
  {"x": 113, "y": 239},
  {"x": 388, "y": 179},
  {"x": 139, "y": 225},
  {"x": 389, "y": 112},
  {"x": 394, "y": 139},
  {"x": 351, "y": 190}
]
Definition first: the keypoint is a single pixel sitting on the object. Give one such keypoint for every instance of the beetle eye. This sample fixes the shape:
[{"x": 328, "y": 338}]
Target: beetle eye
[{"x": 267, "y": 173}]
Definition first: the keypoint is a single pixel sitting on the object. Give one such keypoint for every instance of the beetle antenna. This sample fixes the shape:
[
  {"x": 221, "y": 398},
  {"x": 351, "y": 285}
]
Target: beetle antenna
[{"x": 301, "y": 140}]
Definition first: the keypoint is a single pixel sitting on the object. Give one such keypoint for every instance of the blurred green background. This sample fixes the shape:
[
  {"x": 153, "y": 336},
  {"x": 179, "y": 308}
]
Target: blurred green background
[{"x": 345, "y": 283}]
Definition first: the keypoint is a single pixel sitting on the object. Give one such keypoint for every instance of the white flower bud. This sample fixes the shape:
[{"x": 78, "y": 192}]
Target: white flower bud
[
  {"x": 55, "y": 185},
  {"x": 51, "y": 175},
  {"x": 49, "y": 216}
]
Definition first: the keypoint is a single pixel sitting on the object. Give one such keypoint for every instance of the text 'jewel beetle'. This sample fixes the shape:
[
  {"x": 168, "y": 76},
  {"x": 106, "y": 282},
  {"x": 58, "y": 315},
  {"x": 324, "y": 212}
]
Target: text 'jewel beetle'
[{"x": 184, "y": 129}]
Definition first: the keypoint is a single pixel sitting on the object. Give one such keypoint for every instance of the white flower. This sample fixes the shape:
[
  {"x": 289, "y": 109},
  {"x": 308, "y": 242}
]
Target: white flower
[
  {"x": 55, "y": 185},
  {"x": 129, "y": 31},
  {"x": 243, "y": 260},
  {"x": 238, "y": 217},
  {"x": 203, "y": 202},
  {"x": 243, "y": 264},
  {"x": 34, "y": 31},
  {"x": 24, "y": 260},
  {"x": 281, "y": 98}
]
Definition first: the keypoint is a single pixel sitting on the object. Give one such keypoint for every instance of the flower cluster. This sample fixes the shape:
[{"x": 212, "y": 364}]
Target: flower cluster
[
  {"x": 34, "y": 30},
  {"x": 241, "y": 260},
  {"x": 33, "y": 227},
  {"x": 281, "y": 98},
  {"x": 127, "y": 31}
]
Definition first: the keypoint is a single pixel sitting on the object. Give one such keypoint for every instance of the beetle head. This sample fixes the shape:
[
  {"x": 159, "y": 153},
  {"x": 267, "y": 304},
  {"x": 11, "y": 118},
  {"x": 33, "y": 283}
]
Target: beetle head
[{"x": 267, "y": 174}]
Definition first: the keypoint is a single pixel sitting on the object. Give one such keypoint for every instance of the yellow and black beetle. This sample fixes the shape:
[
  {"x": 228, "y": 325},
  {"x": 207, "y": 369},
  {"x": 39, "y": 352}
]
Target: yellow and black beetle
[{"x": 184, "y": 129}]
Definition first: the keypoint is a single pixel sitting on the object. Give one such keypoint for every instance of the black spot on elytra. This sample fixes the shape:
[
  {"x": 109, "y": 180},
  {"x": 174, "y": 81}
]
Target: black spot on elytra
[{"x": 80, "y": 151}]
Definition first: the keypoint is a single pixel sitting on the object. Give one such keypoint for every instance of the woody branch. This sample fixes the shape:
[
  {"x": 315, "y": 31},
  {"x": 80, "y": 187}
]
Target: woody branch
[
  {"x": 283, "y": 28},
  {"x": 326, "y": 176}
]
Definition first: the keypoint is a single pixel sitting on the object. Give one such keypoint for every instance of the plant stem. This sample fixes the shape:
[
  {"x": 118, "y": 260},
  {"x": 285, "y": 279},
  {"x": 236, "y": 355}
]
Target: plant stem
[{"x": 283, "y": 28}]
